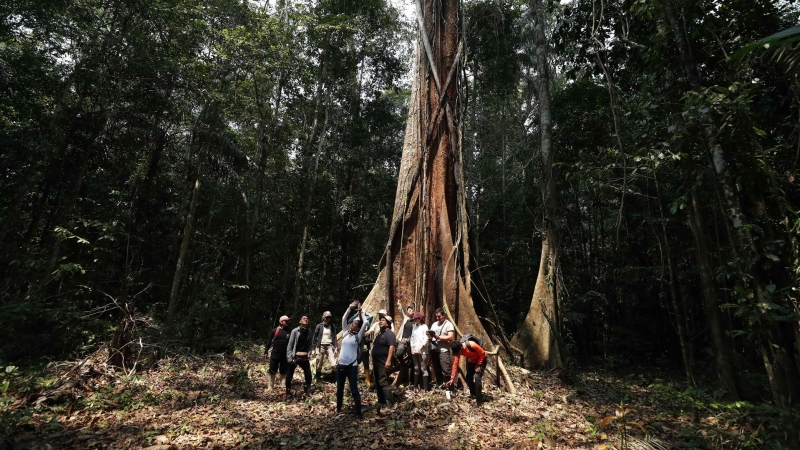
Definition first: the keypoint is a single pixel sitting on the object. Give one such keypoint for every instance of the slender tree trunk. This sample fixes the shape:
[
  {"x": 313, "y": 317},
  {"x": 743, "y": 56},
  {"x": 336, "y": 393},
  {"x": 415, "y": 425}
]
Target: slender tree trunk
[
  {"x": 187, "y": 235},
  {"x": 298, "y": 280},
  {"x": 538, "y": 336},
  {"x": 683, "y": 336},
  {"x": 778, "y": 351},
  {"x": 726, "y": 368}
]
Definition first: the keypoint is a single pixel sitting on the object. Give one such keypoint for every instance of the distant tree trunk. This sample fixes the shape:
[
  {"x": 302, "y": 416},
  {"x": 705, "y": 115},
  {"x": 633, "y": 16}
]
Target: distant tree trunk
[
  {"x": 777, "y": 340},
  {"x": 538, "y": 336},
  {"x": 306, "y": 220},
  {"x": 187, "y": 235},
  {"x": 426, "y": 259},
  {"x": 722, "y": 345},
  {"x": 683, "y": 336}
]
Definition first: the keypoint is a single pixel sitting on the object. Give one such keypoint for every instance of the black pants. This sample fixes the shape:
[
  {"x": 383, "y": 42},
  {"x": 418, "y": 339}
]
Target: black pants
[
  {"x": 306, "y": 366},
  {"x": 278, "y": 364},
  {"x": 384, "y": 390},
  {"x": 442, "y": 362},
  {"x": 475, "y": 379}
]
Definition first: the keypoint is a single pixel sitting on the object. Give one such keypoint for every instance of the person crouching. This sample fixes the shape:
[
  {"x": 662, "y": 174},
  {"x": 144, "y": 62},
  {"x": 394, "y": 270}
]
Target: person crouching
[{"x": 476, "y": 366}]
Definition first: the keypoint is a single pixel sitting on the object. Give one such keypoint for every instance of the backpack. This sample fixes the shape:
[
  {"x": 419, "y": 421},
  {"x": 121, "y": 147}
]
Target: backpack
[{"x": 469, "y": 337}]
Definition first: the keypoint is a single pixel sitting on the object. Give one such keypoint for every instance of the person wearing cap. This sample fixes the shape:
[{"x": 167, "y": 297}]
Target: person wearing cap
[
  {"x": 476, "y": 366},
  {"x": 297, "y": 353},
  {"x": 278, "y": 340},
  {"x": 383, "y": 346},
  {"x": 347, "y": 366},
  {"x": 442, "y": 333},
  {"x": 325, "y": 344},
  {"x": 419, "y": 351}
]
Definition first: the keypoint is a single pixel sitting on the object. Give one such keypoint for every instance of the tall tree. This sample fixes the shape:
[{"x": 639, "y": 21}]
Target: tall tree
[
  {"x": 538, "y": 336},
  {"x": 427, "y": 255}
]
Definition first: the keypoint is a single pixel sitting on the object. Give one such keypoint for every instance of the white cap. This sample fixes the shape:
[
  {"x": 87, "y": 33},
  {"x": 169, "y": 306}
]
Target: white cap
[
  {"x": 284, "y": 318},
  {"x": 383, "y": 312}
]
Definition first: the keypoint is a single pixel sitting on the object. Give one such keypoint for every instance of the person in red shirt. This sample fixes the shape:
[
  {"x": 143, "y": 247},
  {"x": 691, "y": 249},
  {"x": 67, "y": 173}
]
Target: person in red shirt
[{"x": 476, "y": 366}]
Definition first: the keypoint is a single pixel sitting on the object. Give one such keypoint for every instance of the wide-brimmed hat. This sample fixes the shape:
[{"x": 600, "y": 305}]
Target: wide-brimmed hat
[
  {"x": 418, "y": 315},
  {"x": 326, "y": 314},
  {"x": 284, "y": 318},
  {"x": 388, "y": 318}
]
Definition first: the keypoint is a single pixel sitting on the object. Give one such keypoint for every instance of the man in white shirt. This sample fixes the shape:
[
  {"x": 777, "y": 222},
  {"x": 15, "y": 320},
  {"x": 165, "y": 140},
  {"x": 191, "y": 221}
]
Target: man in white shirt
[{"x": 443, "y": 333}]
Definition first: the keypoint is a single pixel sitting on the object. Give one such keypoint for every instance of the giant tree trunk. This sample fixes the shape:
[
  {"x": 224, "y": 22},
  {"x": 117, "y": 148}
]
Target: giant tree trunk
[
  {"x": 538, "y": 336},
  {"x": 426, "y": 259}
]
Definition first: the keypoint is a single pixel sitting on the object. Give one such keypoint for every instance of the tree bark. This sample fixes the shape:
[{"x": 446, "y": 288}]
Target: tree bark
[
  {"x": 187, "y": 235},
  {"x": 538, "y": 336},
  {"x": 686, "y": 346},
  {"x": 427, "y": 253},
  {"x": 777, "y": 342}
]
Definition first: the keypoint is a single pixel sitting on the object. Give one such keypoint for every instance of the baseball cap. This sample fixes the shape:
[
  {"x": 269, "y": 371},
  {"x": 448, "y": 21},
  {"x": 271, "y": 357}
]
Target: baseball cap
[
  {"x": 284, "y": 318},
  {"x": 418, "y": 315},
  {"x": 326, "y": 314},
  {"x": 383, "y": 313}
]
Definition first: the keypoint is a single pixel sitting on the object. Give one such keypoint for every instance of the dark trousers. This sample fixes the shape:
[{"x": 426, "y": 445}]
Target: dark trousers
[
  {"x": 351, "y": 374},
  {"x": 442, "y": 362},
  {"x": 384, "y": 386},
  {"x": 475, "y": 379},
  {"x": 306, "y": 366},
  {"x": 278, "y": 365}
]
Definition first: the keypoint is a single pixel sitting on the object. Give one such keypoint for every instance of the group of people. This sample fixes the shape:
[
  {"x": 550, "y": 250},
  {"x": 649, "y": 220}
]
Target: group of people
[{"x": 409, "y": 353}]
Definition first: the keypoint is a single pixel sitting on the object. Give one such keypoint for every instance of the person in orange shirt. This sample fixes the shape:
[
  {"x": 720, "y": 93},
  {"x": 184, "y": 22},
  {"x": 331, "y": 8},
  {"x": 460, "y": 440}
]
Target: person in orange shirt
[{"x": 476, "y": 366}]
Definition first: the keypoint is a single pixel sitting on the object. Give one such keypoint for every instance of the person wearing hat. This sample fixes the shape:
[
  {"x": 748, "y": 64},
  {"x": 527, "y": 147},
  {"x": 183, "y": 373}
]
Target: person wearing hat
[
  {"x": 325, "y": 344},
  {"x": 419, "y": 351},
  {"x": 278, "y": 340},
  {"x": 383, "y": 346}
]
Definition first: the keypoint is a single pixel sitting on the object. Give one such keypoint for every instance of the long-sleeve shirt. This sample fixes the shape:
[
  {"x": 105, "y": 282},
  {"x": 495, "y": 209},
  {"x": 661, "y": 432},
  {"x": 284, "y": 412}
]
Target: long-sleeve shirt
[
  {"x": 296, "y": 343},
  {"x": 318, "y": 332},
  {"x": 419, "y": 338},
  {"x": 474, "y": 354},
  {"x": 348, "y": 351}
]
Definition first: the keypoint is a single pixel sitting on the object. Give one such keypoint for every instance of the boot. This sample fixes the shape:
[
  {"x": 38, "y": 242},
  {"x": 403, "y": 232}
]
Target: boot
[
  {"x": 358, "y": 410},
  {"x": 338, "y": 406},
  {"x": 416, "y": 381},
  {"x": 307, "y": 389},
  {"x": 367, "y": 377},
  {"x": 478, "y": 394},
  {"x": 426, "y": 381},
  {"x": 270, "y": 381}
]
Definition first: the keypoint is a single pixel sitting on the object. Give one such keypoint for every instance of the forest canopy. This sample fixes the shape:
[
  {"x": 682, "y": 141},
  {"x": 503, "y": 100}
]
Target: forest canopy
[{"x": 188, "y": 172}]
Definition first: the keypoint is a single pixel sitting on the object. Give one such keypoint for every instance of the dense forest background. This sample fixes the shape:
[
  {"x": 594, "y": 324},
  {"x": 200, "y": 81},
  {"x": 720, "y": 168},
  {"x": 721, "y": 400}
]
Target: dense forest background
[{"x": 196, "y": 169}]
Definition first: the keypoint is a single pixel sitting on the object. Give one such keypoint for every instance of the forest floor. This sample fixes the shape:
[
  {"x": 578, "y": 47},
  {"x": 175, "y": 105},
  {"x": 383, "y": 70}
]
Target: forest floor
[{"x": 220, "y": 401}]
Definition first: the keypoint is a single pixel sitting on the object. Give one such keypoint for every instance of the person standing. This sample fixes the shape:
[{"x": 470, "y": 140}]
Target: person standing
[
  {"x": 383, "y": 347},
  {"x": 347, "y": 366},
  {"x": 403, "y": 352},
  {"x": 297, "y": 354},
  {"x": 369, "y": 336},
  {"x": 278, "y": 341},
  {"x": 476, "y": 366},
  {"x": 419, "y": 351},
  {"x": 325, "y": 345},
  {"x": 443, "y": 333}
]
